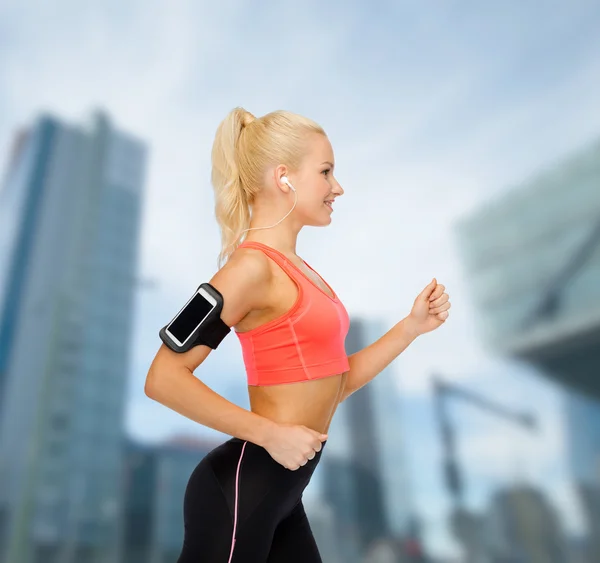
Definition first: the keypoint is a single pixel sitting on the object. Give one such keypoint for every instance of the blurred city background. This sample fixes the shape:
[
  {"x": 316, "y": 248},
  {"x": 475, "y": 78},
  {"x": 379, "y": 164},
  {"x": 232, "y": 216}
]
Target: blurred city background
[{"x": 467, "y": 139}]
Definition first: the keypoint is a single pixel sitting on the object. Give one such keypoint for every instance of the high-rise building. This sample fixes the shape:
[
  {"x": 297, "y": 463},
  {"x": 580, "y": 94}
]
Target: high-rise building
[
  {"x": 139, "y": 489},
  {"x": 156, "y": 477},
  {"x": 532, "y": 258},
  {"x": 321, "y": 518},
  {"x": 524, "y": 526},
  {"x": 582, "y": 414},
  {"x": 389, "y": 425},
  {"x": 339, "y": 485},
  {"x": 365, "y": 478},
  {"x": 583, "y": 437},
  {"x": 369, "y": 490},
  {"x": 69, "y": 227}
]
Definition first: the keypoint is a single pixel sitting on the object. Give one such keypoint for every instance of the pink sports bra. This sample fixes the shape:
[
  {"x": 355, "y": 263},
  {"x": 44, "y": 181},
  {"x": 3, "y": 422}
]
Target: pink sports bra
[{"x": 306, "y": 342}]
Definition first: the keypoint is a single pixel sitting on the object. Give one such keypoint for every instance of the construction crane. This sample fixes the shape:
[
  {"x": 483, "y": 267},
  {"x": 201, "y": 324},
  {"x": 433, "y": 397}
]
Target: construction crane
[{"x": 465, "y": 523}]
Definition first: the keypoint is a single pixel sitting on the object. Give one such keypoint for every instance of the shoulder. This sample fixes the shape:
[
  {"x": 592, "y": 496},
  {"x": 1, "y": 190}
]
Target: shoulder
[
  {"x": 246, "y": 267},
  {"x": 244, "y": 282},
  {"x": 251, "y": 262}
]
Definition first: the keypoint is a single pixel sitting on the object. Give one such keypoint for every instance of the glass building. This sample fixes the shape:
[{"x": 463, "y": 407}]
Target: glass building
[
  {"x": 365, "y": 478},
  {"x": 583, "y": 437},
  {"x": 532, "y": 259},
  {"x": 155, "y": 481},
  {"x": 70, "y": 211}
]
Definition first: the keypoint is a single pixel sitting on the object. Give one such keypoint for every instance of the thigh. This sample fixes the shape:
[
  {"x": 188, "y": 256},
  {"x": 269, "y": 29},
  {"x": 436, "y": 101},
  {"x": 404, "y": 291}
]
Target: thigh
[
  {"x": 208, "y": 525},
  {"x": 238, "y": 483},
  {"x": 293, "y": 540},
  {"x": 233, "y": 487}
]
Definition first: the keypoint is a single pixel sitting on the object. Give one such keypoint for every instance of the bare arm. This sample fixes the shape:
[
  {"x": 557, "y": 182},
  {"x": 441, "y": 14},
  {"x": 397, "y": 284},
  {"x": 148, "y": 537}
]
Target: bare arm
[
  {"x": 181, "y": 391},
  {"x": 429, "y": 311},
  {"x": 372, "y": 360},
  {"x": 244, "y": 283}
]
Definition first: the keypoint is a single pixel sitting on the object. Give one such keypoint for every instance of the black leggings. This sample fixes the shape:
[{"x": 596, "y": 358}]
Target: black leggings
[{"x": 268, "y": 519}]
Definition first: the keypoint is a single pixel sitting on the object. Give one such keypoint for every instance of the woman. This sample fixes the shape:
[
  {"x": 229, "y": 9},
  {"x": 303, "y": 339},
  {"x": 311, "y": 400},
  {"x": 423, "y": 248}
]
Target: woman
[{"x": 243, "y": 502}]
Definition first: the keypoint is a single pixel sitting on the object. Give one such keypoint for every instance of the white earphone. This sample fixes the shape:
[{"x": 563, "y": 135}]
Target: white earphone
[{"x": 285, "y": 180}]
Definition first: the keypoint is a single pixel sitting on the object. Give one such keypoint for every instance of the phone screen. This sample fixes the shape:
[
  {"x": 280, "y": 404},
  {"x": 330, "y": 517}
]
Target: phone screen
[{"x": 190, "y": 317}]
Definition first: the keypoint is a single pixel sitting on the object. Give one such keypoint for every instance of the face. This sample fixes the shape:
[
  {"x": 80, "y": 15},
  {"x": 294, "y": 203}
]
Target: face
[{"x": 315, "y": 183}]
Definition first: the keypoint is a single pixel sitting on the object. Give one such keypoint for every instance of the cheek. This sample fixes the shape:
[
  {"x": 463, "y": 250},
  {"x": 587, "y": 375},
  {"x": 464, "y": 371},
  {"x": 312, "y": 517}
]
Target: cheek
[
  {"x": 325, "y": 187},
  {"x": 317, "y": 191},
  {"x": 311, "y": 202},
  {"x": 314, "y": 193}
]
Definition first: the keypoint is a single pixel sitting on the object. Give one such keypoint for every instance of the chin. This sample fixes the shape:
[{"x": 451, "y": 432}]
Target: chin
[
  {"x": 319, "y": 222},
  {"x": 317, "y": 219}
]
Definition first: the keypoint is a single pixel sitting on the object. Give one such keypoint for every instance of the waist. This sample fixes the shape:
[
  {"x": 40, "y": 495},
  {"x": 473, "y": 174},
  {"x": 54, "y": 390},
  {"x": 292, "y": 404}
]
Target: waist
[
  {"x": 308, "y": 403},
  {"x": 258, "y": 457},
  {"x": 237, "y": 440}
]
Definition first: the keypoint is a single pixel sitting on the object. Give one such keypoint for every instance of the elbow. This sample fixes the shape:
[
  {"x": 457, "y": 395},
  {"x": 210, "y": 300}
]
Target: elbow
[
  {"x": 147, "y": 390},
  {"x": 159, "y": 382},
  {"x": 151, "y": 385}
]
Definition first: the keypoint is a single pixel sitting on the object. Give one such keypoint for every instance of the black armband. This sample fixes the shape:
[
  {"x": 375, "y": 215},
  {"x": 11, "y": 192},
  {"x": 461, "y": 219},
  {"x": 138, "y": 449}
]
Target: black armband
[{"x": 198, "y": 322}]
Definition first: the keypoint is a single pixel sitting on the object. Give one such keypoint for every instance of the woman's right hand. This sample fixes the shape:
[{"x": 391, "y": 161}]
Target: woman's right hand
[{"x": 292, "y": 445}]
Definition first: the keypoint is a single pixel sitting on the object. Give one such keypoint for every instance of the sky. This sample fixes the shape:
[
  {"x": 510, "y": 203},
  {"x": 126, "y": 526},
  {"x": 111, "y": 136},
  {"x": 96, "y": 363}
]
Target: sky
[{"x": 432, "y": 108}]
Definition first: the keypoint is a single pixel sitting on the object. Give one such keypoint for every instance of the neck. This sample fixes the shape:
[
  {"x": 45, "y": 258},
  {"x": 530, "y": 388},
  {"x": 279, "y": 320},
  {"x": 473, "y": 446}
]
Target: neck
[
  {"x": 283, "y": 240},
  {"x": 282, "y": 236}
]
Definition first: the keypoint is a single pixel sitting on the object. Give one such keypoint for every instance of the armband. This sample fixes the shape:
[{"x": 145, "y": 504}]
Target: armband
[{"x": 198, "y": 322}]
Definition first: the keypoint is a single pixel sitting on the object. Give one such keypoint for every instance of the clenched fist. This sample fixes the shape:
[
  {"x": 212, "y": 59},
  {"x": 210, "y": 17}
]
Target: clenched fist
[{"x": 430, "y": 309}]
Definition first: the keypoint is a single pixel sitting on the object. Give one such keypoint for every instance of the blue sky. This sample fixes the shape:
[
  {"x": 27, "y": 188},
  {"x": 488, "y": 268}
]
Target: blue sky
[{"x": 432, "y": 108}]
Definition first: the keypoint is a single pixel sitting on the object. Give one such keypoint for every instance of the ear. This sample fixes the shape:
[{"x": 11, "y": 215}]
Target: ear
[{"x": 279, "y": 171}]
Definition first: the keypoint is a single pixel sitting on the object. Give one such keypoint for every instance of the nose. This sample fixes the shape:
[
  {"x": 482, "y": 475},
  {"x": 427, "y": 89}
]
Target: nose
[{"x": 338, "y": 190}]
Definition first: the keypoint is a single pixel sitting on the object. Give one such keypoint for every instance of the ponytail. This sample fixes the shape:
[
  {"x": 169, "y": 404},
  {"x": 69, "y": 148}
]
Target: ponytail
[
  {"x": 231, "y": 202},
  {"x": 243, "y": 148}
]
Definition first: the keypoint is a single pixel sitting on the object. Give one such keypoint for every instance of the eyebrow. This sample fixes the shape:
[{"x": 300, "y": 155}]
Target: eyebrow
[{"x": 327, "y": 162}]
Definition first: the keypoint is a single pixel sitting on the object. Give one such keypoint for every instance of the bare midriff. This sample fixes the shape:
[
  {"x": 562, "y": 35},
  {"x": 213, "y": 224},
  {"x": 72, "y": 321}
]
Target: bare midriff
[{"x": 311, "y": 403}]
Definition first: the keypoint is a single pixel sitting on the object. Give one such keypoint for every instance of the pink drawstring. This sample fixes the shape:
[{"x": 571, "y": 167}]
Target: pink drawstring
[{"x": 237, "y": 475}]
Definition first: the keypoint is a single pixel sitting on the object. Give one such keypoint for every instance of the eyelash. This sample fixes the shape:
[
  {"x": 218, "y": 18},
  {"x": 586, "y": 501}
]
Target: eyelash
[{"x": 326, "y": 171}]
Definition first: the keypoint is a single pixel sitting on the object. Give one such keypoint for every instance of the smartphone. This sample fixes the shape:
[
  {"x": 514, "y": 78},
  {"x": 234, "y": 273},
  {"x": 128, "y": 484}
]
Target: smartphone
[{"x": 191, "y": 316}]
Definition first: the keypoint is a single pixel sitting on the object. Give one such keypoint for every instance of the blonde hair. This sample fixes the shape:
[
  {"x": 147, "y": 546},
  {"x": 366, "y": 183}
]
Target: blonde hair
[{"x": 243, "y": 148}]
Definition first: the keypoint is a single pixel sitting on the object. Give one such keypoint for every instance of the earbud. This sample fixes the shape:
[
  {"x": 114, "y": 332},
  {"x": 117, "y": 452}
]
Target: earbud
[{"x": 285, "y": 180}]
